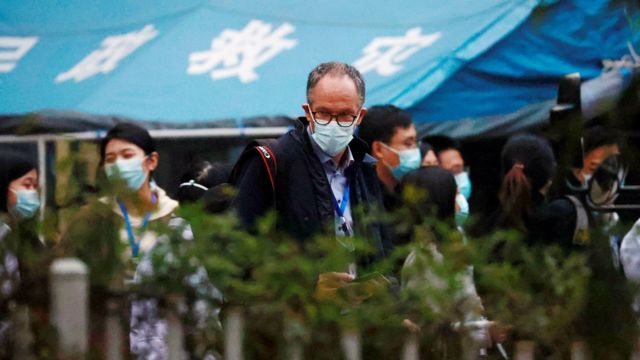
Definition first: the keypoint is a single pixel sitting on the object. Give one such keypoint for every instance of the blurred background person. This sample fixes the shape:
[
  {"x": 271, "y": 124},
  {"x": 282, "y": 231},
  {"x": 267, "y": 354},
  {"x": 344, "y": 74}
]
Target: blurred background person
[
  {"x": 449, "y": 154},
  {"x": 436, "y": 191},
  {"x": 528, "y": 167},
  {"x": 206, "y": 182},
  {"x": 19, "y": 197},
  {"x": 392, "y": 140},
  {"x": 19, "y": 204},
  {"x": 429, "y": 157},
  {"x": 598, "y": 143}
]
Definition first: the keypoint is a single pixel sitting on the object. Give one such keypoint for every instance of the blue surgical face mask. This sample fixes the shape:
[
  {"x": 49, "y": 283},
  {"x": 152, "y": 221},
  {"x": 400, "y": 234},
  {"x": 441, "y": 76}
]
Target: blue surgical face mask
[
  {"x": 27, "y": 205},
  {"x": 409, "y": 160},
  {"x": 462, "y": 213},
  {"x": 130, "y": 171},
  {"x": 333, "y": 138},
  {"x": 464, "y": 184}
]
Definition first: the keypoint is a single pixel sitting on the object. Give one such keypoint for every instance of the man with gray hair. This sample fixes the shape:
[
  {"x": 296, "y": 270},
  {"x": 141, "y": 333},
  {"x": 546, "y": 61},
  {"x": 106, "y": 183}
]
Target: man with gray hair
[{"x": 323, "y": 173}]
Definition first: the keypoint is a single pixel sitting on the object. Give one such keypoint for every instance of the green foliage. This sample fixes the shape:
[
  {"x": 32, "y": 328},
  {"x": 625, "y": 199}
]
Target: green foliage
[{"x": 540, "y": 292}]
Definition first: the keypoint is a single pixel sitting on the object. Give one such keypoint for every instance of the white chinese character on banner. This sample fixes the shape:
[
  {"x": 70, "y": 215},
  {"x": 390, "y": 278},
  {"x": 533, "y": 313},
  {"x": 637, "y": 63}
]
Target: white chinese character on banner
[
  {"x": 239, "y": 53},
  {"x": 12, "y": 49},
  {"x": 105, "y": 59},
  {"x": 384, "y": 54}
]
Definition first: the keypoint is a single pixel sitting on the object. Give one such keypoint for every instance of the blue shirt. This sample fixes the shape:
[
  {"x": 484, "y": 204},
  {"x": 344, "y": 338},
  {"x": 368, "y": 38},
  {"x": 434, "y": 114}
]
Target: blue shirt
[{"x": 337, "y": 179}]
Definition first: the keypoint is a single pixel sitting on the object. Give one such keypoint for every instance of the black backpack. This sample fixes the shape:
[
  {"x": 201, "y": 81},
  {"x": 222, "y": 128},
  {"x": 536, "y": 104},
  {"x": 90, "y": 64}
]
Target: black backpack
[{"x": 265, "y": 150}]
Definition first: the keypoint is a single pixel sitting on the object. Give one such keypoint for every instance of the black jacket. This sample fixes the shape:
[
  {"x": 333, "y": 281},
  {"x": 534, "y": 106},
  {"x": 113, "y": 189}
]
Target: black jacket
[
  {"x": 547, "y": 223},
  {"x": 303, "y": 196}
]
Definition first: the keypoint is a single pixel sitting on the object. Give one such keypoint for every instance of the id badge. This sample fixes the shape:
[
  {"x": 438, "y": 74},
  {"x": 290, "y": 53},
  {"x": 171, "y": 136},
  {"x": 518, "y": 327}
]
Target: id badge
[{"x": 347, "y": 232}]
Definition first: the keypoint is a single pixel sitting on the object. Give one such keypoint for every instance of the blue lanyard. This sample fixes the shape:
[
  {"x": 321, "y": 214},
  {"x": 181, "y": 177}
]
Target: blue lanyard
[
  {"x": 343, "y": 205},
  {"x": 135, "y": 246},
  {"x": 340, "y": 209}
]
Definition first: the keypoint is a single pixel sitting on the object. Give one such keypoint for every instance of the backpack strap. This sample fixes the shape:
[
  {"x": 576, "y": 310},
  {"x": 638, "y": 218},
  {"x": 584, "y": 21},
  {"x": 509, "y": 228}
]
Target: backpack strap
[
  {"x": 264, "y": 149},
  {"x": 581, "y": 232},
  {"x": 270, "y": 163}
]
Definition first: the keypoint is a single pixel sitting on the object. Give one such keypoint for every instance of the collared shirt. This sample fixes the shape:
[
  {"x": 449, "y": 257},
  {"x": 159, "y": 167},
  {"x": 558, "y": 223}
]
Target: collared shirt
[{"x": 337, "y": 179}]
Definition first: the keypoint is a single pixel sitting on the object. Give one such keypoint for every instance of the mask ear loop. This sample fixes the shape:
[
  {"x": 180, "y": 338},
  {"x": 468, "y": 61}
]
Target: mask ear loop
[
  {"x": 194, "y": 184},
  {"x": 390, "y": 148},
  {"x": 393, "y": 151}
]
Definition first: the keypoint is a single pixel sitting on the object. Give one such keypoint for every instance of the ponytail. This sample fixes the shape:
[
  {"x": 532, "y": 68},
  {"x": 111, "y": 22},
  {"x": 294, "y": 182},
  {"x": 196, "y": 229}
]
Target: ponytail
[{"x": 515, "y": 195}]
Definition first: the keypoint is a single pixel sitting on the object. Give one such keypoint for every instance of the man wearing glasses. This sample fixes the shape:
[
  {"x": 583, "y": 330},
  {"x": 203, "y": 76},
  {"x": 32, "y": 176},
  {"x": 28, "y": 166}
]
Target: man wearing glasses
[{"x": 323, "y": 172}]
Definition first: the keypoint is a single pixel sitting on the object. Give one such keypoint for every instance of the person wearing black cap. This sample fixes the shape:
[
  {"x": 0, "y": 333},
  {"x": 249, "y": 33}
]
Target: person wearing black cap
[{"x": 128, "y": 215}]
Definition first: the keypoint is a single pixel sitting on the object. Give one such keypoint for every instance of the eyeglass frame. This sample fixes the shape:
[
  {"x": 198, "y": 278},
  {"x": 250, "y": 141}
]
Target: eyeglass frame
[{"x": 333, "y": 117}]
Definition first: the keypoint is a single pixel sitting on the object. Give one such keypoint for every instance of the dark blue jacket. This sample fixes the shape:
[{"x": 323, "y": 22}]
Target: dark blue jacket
[{"x": 303, "y": 197}]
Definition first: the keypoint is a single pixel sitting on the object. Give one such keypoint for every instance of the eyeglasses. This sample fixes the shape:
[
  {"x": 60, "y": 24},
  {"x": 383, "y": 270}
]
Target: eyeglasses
[{"x": 324, "y": 118}]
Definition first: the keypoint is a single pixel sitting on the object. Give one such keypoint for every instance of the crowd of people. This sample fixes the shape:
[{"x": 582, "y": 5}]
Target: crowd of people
[{"x": 340, "y": 161}]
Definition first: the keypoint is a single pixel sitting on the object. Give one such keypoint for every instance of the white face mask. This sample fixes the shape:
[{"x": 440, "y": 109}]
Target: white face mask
[
  {"x": 131, "y": 171},
  {"x": 409, "y": 160},
  {"x": 27, "y": 204},
  {"x": 333, "y": 138},
  {"x": 463, "y": 210},
  {"x": 464, "y": 184}
]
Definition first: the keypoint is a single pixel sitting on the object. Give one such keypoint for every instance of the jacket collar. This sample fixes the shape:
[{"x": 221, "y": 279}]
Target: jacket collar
[{"x": 165, "y": 206}]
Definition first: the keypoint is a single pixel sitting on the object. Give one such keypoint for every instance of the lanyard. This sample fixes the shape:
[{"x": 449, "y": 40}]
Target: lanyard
[
  {"x": 340, "y": 209},
  {"x": 135, "y": 246},
  {"x": 343, "y": 205}
]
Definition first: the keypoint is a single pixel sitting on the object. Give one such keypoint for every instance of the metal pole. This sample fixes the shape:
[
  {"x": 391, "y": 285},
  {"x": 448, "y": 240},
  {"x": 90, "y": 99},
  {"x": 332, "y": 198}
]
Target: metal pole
[
  {"x": 234, "y": 334},
  {"x": 113, "y": 331},
  {"x": 411, "y": 347},
  {"x": 70, "y": 305},
  {"x": 156, "y": 134},
  {"x": 579, "y": 350},
  {"x": 175, "y": 336},
  {"x": 42, "y": 174},
  {"x": 351, "y": 343},
  {"x": 525, "y": 350}
]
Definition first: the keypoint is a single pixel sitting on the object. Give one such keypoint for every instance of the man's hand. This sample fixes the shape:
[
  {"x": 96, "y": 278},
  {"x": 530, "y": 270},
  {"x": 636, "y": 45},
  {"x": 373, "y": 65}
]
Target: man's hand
[{"x": 329, "y": 283}]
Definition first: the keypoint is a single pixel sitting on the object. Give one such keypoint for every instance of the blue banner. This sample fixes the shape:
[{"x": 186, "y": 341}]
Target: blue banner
[{"x": 185, "y": 61}]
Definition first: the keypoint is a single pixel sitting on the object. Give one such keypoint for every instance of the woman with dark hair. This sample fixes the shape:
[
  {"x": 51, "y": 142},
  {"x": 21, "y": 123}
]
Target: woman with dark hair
[
  {"x": 19, "y": 199},
  {"x": 435, "y": 191},
  {"x": 440, "y": 188},
  {"x": 19, "y": 202},
  {"x": 128, "y": 223},
  {"x": 528, "y": 167},
  {"x": 133, "y": 202}
]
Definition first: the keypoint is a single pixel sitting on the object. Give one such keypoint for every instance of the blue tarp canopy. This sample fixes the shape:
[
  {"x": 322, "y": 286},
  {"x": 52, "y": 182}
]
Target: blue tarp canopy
[
  {"x": 513, "y": 85},
  {"x": 187, "y": 61}
]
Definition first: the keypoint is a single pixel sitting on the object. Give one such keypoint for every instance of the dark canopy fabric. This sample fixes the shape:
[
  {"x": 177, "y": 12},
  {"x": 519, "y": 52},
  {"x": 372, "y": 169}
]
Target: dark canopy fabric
[{"x": 524, "y": 67}]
